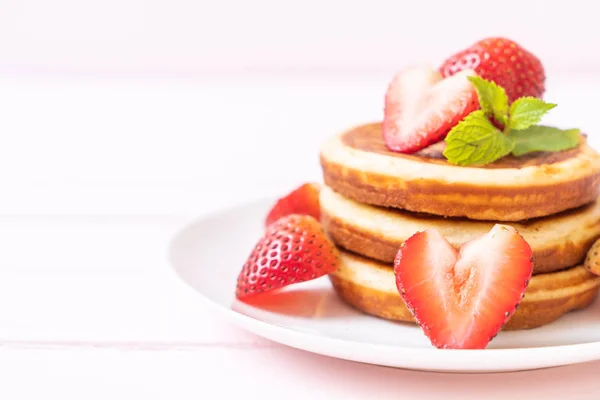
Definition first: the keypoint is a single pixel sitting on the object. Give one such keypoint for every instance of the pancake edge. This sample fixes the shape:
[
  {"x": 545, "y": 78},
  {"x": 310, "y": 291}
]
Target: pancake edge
[{"x": 567, "y": 249}]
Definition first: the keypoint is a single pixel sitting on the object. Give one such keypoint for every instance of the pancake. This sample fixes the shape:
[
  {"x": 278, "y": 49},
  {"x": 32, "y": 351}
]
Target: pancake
[
  {"x": 357, "y": 164},
  {"x": 558, "y": 241},
  {"x": 370, "y": 286}
]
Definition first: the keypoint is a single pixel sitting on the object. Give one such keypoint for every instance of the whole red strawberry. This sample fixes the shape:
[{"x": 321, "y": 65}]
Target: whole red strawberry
[
  {"x": 293, "y": 249},
  {"x": 302, "y": 200},
  {"x": 503, "y": 61}
]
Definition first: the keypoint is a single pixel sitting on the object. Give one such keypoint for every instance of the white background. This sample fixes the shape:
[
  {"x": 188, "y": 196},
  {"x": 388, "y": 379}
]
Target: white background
[
  {"x": 175, "y": 99},
  {"x": 120, "y": 120}
]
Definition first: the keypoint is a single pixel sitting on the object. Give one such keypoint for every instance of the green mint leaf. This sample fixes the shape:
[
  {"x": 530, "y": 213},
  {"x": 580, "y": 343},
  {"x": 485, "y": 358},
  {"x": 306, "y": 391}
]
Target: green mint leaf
[
  {"x": 543, "y": 138},
  {"x": 492, "y": 98},
  {"x": 527, "y": 111},
  {"x": 476, "y": 141}
]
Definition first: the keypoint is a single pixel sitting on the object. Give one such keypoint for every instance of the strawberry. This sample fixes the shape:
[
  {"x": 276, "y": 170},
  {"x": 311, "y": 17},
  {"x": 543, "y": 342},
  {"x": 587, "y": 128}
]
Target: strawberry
[
  {"x": 293, "y": 249},
  {"x": 462, "y": 297},
  {"x": 503, "y": 61},
  {"x": 302, "y": 200},
  {"x": 421, "y": 107}
]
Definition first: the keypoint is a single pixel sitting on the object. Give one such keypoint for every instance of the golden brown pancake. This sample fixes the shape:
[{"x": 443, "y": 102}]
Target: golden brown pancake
[
  {"x": 558, "y": 242},
  {"x": 370, "y": 286},
  {"x": 357, "y": 164}
]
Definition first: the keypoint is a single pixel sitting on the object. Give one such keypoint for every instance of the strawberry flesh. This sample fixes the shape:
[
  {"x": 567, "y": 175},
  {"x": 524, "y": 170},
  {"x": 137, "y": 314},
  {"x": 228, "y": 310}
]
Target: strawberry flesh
[
  {"x": 462, "y": 297},
  {"x": 302, "y": 200},
  {"x": 421, "y": 107},
  {"x": 293, "y": 249},
  {"x": 503, "y": 61}
]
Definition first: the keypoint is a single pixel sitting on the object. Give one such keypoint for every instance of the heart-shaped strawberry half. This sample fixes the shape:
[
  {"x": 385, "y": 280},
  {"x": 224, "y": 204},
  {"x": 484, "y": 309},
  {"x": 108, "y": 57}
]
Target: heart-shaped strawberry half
[
  {"x": 421, "y": 107},
  {"x": 462, "y": 297}
]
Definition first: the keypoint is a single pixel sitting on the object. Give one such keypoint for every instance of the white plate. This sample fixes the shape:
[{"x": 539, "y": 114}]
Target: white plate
[{"x": 209, "y": 253}]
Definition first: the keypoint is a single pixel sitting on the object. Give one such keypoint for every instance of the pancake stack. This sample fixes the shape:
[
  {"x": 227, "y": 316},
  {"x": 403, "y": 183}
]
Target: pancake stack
[{"x": 374, "y": 199}]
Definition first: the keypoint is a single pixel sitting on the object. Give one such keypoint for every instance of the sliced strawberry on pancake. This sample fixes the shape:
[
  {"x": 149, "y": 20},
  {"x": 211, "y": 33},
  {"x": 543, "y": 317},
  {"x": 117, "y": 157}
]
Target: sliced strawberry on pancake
[{"x": 421, "y": 107}]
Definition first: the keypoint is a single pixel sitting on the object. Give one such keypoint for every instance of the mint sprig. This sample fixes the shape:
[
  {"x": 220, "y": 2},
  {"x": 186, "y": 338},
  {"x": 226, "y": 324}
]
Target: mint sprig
[{"x": 477, "y": 141}]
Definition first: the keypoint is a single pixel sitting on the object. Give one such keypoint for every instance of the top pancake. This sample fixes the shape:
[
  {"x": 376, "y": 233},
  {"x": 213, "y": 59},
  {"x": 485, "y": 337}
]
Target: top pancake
[{"x": 358, "y": 165}]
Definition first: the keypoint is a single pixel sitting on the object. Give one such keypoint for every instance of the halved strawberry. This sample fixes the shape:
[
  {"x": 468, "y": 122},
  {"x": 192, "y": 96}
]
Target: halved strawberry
[
  {"x": 302, "y": 200},
  {"x": 503, "y": 61},
  {"x": 462, "y": 297},
  {"x": 421, "y": 107},
  {"x": 293, "y": 249}
]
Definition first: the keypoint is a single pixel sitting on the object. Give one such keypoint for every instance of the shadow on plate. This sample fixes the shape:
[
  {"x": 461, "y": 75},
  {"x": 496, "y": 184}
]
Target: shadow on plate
[{"x": 316, "y": 303}]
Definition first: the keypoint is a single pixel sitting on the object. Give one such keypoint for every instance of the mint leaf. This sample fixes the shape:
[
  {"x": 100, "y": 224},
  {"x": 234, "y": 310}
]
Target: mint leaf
[
  {"x": 492, "y": 98},
  {"x": 476, "y": 141},
  {"x": 527, "y": 111},
  {"x": 543, "y": 138}
]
